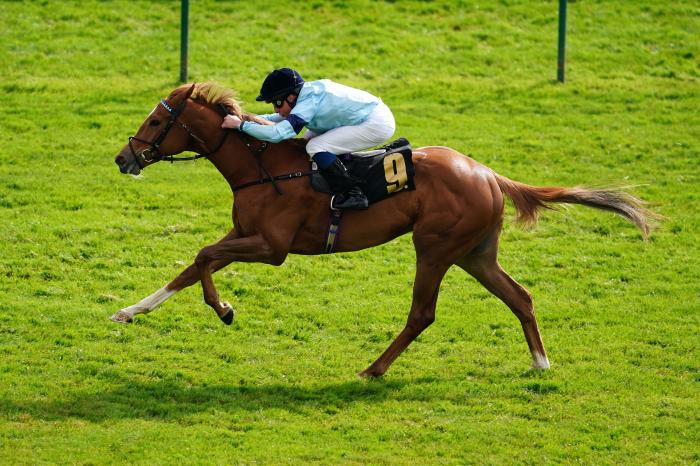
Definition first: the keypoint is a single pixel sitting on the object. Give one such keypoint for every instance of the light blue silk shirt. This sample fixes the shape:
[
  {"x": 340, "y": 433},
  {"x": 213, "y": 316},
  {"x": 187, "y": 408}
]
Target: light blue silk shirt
[{"x": 321, "y": 106}]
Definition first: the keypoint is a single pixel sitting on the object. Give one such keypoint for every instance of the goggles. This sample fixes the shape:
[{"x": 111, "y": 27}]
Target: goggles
[{"x": 277, "y": 103}]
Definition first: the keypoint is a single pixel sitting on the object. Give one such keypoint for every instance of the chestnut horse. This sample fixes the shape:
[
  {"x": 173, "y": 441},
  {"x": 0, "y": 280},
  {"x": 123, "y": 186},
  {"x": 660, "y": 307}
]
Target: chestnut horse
[{"x": 455, "y": 212}]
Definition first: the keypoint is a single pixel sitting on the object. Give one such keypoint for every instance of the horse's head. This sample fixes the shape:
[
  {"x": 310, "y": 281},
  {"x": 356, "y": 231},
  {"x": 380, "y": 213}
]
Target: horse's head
[
  {"x": 160, "y": 135},
  {"x": 189, "y": 119}
]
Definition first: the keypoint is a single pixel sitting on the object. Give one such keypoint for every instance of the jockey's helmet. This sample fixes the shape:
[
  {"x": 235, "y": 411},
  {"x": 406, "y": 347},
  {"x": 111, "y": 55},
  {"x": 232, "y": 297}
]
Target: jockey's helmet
[{"x": 280, "y": 83}]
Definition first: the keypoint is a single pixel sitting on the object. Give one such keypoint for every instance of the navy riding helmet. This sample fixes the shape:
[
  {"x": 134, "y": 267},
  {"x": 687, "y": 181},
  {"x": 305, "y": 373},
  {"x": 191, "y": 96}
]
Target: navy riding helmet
[{"x": 280, "y": 83}]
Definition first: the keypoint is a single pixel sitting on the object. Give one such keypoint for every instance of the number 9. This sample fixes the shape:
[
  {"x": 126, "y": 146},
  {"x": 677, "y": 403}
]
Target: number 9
[{"x": 395, "y": 172}]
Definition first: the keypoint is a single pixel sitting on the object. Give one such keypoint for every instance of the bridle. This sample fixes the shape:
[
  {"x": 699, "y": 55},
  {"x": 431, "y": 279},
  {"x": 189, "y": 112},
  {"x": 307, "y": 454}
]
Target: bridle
[{"x": 152, "y": 154}]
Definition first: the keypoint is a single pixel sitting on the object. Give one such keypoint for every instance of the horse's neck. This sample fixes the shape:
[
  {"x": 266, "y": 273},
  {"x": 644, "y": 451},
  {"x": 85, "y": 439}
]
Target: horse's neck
[{"x": 239, "y": 160}]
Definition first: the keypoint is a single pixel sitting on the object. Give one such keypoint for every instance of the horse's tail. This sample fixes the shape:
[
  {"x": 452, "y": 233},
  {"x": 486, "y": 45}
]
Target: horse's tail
[{"x": 529, "y": 199}]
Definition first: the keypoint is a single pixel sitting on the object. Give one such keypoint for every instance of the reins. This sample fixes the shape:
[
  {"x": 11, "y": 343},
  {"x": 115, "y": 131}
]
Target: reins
[
  {"x": 153, "y": 152},
  {"x": 272, "y": 179},
  {"x": 257, "y": 154},
  {"x": 172, "y": 158}
]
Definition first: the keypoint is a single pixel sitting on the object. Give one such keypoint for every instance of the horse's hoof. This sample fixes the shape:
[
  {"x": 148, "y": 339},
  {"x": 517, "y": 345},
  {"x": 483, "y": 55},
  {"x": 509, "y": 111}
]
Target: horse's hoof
[
  {"x": 368, "y": 374},
  {"x": 122, "y": 317},
  {"x": 228, "y": 317},
  {"x": 539, "y": 362}
]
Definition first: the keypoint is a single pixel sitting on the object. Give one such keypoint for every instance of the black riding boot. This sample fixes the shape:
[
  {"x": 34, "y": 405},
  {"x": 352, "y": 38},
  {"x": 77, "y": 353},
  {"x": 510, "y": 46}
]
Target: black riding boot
[{"x": 347, "y": 195}]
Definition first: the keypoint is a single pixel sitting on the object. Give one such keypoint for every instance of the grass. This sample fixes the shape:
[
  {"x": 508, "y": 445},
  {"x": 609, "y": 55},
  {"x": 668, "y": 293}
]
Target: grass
[{"x": 619, "y": 316}]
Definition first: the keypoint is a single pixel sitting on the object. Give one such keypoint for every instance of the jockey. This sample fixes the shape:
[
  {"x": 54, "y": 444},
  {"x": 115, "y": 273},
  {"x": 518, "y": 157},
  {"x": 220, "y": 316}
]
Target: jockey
[{"x": 339, "y": 119}]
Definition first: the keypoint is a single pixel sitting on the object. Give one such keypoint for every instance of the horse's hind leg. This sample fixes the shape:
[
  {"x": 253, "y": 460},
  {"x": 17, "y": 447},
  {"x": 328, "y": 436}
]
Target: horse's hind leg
[
  {"x": 425, "y": 294},
  {"x": 486, "y": 269}
]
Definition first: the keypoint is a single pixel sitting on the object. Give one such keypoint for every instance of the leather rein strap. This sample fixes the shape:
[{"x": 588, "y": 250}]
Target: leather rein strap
[
  {"x": 268, "y": 178},
  {"x": 257, "y": 152},
  {"x": 272, "y": 179},
  {"x": 334, "y": 225}
]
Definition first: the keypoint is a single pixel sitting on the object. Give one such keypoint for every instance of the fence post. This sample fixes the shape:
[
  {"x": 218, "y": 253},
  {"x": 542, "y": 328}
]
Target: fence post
[
  {"x": 562, "y": 41},
  {"x": 183, "y": 40}
]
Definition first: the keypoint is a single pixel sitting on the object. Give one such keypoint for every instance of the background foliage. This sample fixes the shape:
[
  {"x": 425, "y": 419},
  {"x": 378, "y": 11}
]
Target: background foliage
[{"x": 619, "y": 316}]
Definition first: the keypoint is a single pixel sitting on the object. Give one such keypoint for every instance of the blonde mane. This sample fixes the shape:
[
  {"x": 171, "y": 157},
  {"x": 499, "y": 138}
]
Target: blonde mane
[{"x": 214, "y": 93}]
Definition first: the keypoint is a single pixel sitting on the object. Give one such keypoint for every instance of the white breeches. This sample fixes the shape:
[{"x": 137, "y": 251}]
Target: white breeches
[{"x": 375, "y": 130}]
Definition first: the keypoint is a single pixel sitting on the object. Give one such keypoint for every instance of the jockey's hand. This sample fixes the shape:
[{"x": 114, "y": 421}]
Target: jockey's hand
[{"x": 231, "y": 121}]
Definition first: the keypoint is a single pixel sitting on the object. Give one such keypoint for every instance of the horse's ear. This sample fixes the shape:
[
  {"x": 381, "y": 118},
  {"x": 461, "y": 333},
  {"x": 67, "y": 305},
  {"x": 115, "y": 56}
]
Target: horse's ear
[{"x": 190, "y": 90}]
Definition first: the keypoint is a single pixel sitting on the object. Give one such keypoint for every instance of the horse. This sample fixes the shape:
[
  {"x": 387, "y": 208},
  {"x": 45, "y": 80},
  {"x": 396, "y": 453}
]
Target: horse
[{"x": 455, "y": 212}]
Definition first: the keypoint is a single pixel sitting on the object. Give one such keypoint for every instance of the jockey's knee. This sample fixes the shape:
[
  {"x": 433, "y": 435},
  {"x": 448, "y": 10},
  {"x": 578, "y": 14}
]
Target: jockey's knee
[{"x": 324, "y": 159}]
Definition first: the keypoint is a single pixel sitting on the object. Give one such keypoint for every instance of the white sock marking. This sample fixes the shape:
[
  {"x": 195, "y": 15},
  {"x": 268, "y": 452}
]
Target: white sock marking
[
  {"x": 539, "y": 361},
  {"x": 149, "y": 303}
]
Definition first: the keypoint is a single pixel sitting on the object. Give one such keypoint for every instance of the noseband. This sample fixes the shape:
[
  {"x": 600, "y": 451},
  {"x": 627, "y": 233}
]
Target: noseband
[{"x": 152, "y": 154}]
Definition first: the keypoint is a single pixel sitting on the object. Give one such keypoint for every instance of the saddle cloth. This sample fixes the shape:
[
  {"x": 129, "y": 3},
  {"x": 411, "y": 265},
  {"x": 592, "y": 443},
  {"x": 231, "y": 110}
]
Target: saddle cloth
[{"x": 381, "y": 172}]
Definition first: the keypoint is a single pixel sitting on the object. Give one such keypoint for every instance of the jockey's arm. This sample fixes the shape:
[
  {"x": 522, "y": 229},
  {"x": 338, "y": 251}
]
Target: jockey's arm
[
  {"x": 285, "y": 129},
  {"x": 261, "y": 119},
  {"x": 273, "y": 117}
]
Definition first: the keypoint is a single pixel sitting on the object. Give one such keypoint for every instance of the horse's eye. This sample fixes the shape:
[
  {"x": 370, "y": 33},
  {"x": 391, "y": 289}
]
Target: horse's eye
[{"x": 153, "y": 123}]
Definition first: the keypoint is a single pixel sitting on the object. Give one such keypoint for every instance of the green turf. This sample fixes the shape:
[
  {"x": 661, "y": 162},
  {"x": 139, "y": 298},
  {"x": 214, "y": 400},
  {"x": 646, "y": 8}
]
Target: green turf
[{"x": 619, "y": 316}]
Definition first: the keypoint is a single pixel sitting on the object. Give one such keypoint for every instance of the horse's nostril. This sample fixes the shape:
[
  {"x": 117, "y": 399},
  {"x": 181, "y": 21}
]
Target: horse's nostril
[{"x": 119, "y": 160}]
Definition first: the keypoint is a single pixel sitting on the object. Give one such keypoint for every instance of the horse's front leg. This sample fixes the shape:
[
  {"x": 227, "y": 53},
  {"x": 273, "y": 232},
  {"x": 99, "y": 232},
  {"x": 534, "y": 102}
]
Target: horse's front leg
[
  {"x": 248, "y": 249},
  {"x": 144, "y": 306},
  {"x": 187, "y": 277}
]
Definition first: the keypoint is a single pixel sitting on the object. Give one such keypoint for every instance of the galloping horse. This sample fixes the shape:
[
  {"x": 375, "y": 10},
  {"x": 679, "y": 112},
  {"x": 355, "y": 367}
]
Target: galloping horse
[{"x": 455, "y": 212}]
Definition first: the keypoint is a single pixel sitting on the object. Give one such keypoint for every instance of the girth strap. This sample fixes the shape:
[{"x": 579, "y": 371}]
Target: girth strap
[{"x": 333, "y": 230}]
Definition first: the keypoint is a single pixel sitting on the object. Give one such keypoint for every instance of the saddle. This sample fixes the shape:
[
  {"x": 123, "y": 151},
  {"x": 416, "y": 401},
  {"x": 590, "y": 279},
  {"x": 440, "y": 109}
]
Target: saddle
[{"x": 381, "y": 172}]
